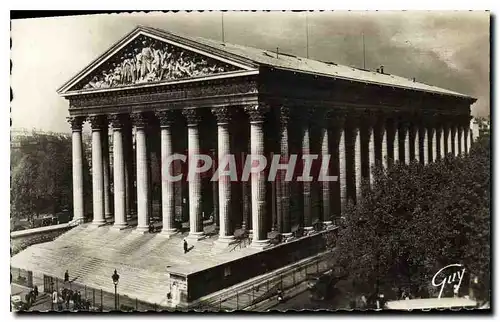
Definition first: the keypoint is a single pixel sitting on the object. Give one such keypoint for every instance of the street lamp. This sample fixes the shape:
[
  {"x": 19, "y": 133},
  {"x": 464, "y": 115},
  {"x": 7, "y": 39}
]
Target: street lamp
[{"x": 115, "y": 278}]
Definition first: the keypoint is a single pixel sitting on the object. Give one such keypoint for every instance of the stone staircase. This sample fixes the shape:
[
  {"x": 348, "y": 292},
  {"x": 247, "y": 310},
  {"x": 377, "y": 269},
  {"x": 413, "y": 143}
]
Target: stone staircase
[{"x": 91, "y": 254}]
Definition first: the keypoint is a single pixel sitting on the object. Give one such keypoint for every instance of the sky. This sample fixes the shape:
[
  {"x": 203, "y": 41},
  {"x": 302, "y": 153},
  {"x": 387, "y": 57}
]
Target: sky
[{"x": 445, "y": 49}]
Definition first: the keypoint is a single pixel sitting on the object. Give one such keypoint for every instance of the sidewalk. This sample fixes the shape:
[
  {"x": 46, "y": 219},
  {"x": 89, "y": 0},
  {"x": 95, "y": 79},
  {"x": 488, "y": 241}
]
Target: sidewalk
[{"x": 42, "y": 303}]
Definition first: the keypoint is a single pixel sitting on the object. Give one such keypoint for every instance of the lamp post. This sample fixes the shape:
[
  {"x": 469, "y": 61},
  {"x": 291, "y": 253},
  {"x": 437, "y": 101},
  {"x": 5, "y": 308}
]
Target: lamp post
[{"x": 115, "y": 278}]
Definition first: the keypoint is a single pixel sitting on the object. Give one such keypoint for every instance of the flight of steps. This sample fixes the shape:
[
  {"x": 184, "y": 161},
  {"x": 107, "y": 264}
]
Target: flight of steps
[{"x": 91, "y": 254}]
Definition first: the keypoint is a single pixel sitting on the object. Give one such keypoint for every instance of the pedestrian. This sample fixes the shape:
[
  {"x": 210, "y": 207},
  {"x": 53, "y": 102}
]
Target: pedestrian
[
  {"x": 35, "y": 289},
  {"x": 68, "y": 298},
  {"x": 27, "y": 298},
  {"x": 185, "y": 246},
  {"x": 66, "y": 276},
  {"x": 364, "y": 301},
  {"x": 32, "y": 295},
  {"x": 54, "y": 299},
  {"x": 280, "y": 295},
  {"x": 79, "y": 299}
]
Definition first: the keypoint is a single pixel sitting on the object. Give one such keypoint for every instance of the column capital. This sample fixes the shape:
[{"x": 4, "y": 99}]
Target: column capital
[
  {"x": 381, "y": 119},
  {"x": 257, "y": 113},
  {"x": 166, "y": 117},
  {"x": 369, "y": 118},
  {"x": 445, "y": 123},
  {"x": 139, "y": 120},
  {"x": 284, "y": 114},
  {"x": 97, "y": 122},
  {"x": 335, "y": 121},
  {"x": 464, "y": 120},
  {"x": 192, "y": 115},
  {"x": 351, "y": 121},
  {"x": 116, "y": 120},
  {"x": 223, "y": 114},
  {"x": 76, "y": 122}
]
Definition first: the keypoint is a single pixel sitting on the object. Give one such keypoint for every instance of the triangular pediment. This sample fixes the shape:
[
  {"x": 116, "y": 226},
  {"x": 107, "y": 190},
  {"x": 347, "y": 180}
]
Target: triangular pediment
[{"x": 148, "y": 58}]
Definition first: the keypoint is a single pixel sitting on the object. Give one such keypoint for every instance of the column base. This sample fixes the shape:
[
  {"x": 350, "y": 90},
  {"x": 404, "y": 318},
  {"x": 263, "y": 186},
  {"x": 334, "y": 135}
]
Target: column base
[
  {"x": 225, "y": 241},
  {"x": 260, "y": 244},
  {"x": 195, "y": 236},
  {"x": 168, "y": 232},
  {"x": 308, "y": 230},
  {"x": 119, "y": 226},
  {"x": 328, "y": 224},
  {"x": 286, "y": 237},
  {"x": 141, "y": 230},
  {"x": 99, "y": 223},
  {"x": 109, "y": 218}
]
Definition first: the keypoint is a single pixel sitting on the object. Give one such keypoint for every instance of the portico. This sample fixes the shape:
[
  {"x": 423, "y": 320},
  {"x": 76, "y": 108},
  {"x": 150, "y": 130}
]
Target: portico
[
  {"x": 205, "y": 96},
  {"x": 160, "y": 101}
]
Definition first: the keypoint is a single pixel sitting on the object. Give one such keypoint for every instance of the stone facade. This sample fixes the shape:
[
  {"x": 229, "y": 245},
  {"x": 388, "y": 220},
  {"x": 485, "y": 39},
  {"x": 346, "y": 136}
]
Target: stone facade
[{"x": 211, "y": 102}]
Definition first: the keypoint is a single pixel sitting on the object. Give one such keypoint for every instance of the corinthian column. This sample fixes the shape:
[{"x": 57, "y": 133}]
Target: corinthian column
[
  {"x": 371, "y": 150},
  {"x": 430, "y": 143},
  {"x": 166, "y": 119},
  {"x": 454, "y": 139},
  {"x": 326, "y": 212},
  {"x": 284, "y": 186},
  {"x": 223, "y": 116},
  {"x": 97, "y": 123},
  {"x": 128, "y": 152},
  {"x": 108, "y": 214},
  {"x": 404, "y": 154},
  {"x": 193, "y": 117},
  {"x": 77, "y": 157},
  {"x": 118, "y": 172},
  {"x": 435, "y": 144},
  {"x": 358, "y": 173},
  {"x": 384, "y": 155},
  {"x": 396, "y": 140},
  {"x": 440, "y": 141},
  {"x": 306, "y": 184},
  {"x": 341, "y": 129},
  {"x": 416, "y": 142},
  {"x": 423, "y": 139},
  {"x": 259, "y": 237},
  {"x": 466, "y": 138},
  {"x": 143, "y": 184},
  {"x": 438, "y": 147},
  {"x": 459, "y": 149},
  {"x": 447, "y": 137}
]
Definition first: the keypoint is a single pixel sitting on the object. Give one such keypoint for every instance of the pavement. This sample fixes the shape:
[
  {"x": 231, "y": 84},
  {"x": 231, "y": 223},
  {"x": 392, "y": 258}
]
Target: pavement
[{"x": 42, "y": 303}]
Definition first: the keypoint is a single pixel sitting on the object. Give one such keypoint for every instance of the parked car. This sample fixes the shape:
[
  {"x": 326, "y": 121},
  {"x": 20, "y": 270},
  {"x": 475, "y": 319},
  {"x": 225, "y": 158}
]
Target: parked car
[{"x": 452, "y": 303}]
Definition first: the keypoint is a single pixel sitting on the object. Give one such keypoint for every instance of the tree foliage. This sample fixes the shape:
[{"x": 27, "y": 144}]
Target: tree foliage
[
  {"x": 41, "y": 175},
  {"x": 418, "y": 219}
]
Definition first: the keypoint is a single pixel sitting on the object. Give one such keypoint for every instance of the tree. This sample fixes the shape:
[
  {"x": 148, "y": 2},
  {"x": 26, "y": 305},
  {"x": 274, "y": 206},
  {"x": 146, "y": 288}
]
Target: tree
[
  {"x": 41, "y": 175},
  {"x": 416, "y": 220}
]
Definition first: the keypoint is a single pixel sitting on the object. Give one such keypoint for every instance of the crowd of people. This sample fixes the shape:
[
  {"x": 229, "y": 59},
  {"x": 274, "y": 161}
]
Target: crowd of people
[
  {"x": 69, "y": 299},
  {"x": 155, "y": 61}
]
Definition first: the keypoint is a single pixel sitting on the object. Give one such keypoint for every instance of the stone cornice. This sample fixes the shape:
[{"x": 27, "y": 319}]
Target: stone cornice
[{"x": 243, "y": 86}]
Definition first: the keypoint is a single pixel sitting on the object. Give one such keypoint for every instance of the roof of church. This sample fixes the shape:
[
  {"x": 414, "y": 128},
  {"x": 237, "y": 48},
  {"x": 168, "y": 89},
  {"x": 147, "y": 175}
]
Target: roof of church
[
  {"x": 250, "y": 58},
  {"x": 305, "y": 65}
]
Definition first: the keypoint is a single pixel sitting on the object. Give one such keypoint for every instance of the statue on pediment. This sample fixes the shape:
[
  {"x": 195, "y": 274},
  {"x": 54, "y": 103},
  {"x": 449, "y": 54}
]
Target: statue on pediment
[{"x": 153, "y": 61}]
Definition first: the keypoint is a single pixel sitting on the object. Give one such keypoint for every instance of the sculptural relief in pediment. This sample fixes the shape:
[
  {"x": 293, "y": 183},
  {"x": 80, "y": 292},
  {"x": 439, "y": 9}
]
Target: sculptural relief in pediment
[{"x": 146, "y": 60}]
